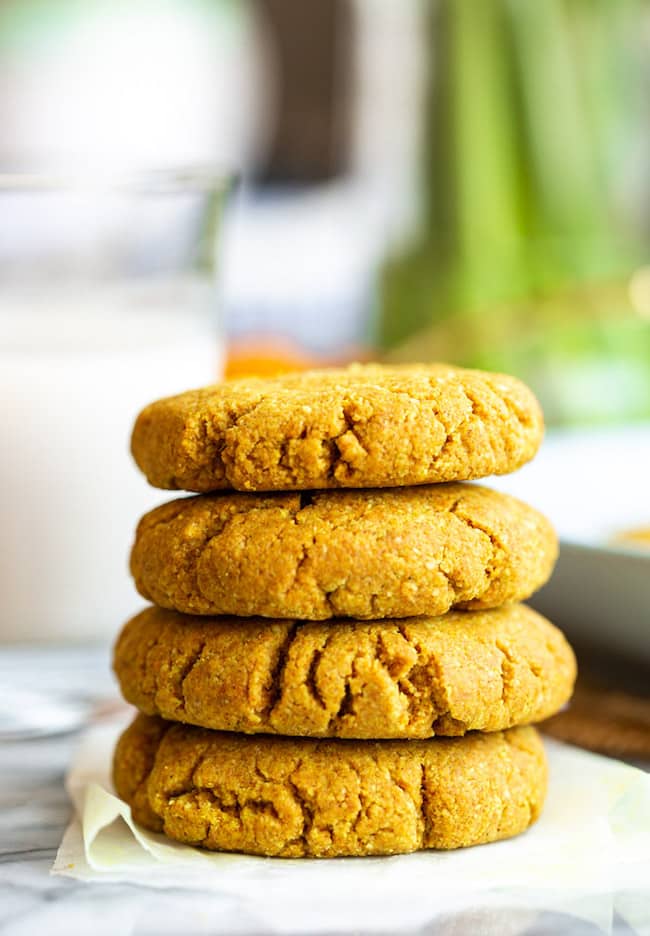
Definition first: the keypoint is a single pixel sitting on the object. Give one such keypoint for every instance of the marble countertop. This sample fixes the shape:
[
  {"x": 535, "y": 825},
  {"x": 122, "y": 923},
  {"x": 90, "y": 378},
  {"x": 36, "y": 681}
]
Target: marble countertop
[{"x": 67, "y": 688}]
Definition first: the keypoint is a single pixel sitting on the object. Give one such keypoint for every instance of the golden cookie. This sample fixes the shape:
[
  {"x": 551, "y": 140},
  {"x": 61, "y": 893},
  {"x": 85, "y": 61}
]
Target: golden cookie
[
  {"x": 365, "y": 426},
  {"x": 295, "y": 797},
  {"x": 364, "y": 554},
  {"x": 412, "y": 678}
]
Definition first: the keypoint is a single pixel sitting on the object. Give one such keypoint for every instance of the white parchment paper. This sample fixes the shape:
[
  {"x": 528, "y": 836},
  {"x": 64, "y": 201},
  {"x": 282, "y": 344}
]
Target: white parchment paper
[{"x": 591, "y": 844}]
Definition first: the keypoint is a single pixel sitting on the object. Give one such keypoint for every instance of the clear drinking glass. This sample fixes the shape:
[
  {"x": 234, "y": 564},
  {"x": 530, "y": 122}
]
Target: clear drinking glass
[{"x": 107, "y": 301}]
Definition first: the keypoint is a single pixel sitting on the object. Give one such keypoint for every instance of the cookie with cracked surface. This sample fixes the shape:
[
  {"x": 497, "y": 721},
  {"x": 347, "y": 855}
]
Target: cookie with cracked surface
[
  {"x": 299, "y": 797},
  {"x": 364, "y": 554},
  {"x": 408, "y": 678},
  {"x": 364, "y": 426}
]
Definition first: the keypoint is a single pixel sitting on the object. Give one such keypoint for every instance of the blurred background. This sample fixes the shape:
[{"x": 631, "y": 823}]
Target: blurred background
[
  {"x": 193, "y": 188},
  {"x": 429, "y": 179}
]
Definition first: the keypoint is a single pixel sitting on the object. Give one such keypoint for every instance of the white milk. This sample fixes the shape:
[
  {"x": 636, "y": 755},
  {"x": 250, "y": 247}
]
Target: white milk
[{"x": 74, "y": 372}]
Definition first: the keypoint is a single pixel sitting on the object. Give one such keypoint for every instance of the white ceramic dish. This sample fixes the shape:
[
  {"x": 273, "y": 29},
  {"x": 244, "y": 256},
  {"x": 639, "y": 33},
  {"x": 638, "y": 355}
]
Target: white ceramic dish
[{"x": 594, "y": 484}]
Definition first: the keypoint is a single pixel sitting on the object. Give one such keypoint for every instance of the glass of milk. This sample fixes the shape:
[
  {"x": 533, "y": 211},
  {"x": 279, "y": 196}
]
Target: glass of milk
[{"x": 107, "y": 301}]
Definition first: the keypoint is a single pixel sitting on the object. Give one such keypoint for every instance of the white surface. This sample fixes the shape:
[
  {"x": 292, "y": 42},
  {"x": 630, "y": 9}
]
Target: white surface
[
  {"x": 591, "y": 483},
  {"x": 75, "y": 369},
  {"x": 593, "y": 837}
]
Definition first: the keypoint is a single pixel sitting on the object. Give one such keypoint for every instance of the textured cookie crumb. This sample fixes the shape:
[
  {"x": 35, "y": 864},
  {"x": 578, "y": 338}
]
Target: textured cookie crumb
[
  {"x": 409, "y": 678},
  {"x": 292, "y": 798},
  {"x": 365, "y": 554},
  {"x": 364, "y": 426}
]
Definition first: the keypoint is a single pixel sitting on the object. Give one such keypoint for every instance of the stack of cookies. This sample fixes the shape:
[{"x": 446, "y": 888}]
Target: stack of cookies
[{"x": 335, "y": 662}]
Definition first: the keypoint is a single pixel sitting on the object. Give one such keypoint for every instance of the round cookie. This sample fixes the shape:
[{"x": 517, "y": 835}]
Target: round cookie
[
  {"x": 295, "y": 797},
  {"x": 364, "y": 426},
  {"x": 364, "y": 554},
  {"x": 412, "y": 678}
]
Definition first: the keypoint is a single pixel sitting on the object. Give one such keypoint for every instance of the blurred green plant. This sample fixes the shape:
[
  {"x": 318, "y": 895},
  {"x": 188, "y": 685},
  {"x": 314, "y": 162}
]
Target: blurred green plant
[{"x": 528, "y": 231}]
